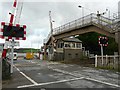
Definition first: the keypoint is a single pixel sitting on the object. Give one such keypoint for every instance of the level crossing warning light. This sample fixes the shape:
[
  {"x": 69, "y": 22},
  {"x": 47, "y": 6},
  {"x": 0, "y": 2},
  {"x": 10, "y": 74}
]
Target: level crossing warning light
[
  {"x": 9, "y": 31},
  {"x": 103, "y": 41}
]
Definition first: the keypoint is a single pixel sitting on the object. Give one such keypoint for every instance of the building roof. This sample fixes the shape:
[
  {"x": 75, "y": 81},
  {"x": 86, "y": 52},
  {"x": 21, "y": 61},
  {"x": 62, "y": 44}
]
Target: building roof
[{"x": 72, "y": 40}]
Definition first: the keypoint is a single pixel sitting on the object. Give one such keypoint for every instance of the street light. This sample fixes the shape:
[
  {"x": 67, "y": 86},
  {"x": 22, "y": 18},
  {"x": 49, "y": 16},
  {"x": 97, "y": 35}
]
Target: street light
[
  {"x": 82, "y": 10},
  {"x": 108, "y": 13},
  {"x": 82, "y": 13}
]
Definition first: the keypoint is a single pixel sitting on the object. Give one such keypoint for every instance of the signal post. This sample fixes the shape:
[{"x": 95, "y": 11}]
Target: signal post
[{"x": 11, "y": 31}]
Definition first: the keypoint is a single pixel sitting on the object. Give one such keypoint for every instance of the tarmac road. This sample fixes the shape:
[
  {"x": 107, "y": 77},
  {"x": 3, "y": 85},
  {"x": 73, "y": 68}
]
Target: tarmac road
[{"x": 44, "y": 74}]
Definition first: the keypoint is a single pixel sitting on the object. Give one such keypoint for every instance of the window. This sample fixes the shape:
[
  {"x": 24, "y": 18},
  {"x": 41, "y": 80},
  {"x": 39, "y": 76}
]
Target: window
[
  {"x": 73, "y": 45},
  {"x": 60, "y": 45},
  {"x": 67, "y": 45},
  {"x": 78, "y": 45}
]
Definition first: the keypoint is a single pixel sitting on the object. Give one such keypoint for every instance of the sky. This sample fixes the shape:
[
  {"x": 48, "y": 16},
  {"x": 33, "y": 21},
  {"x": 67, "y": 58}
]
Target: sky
[{"x": 35, "y": 15}]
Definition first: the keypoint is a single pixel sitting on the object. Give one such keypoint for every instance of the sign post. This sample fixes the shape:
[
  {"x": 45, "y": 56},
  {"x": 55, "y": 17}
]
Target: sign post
[
  {"x": 102, "y": 53},
  {"x": 12, "y": 55}
]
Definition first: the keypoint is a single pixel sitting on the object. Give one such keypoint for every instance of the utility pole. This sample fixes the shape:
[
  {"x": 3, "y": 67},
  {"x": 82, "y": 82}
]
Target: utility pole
[
  {"x": 52, "y": 44},
  {"x": 50, "y": 19}
]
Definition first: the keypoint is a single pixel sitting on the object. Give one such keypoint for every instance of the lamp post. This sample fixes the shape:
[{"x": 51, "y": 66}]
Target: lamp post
[
  {"x": 108, "y": 13},
  {"x": 82, "y": 10},
  {"x": 82, "y": 13}
]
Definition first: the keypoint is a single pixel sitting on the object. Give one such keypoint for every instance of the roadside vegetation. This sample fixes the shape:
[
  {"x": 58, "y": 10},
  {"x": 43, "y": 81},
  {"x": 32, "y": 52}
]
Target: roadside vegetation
[{"x": 90, "y": 42}]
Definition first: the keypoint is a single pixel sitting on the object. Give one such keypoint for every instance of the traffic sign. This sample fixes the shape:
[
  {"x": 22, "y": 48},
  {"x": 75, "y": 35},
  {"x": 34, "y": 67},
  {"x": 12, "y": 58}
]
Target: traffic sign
[{"x": 15, "y": 43}]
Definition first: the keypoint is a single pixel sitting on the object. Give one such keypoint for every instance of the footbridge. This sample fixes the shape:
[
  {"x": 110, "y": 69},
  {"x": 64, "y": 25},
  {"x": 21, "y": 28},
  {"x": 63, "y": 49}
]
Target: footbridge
[{"x": 89, "y": 23}]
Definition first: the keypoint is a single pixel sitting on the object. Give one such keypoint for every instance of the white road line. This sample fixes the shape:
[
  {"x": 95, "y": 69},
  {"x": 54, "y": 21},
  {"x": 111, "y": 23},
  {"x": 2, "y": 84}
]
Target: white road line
[
  {"x": 76, "y": 75},
  {"x": 26, "y": 76},
  {"x": 64, "y": 72},
  {"x": 103, "y": 82},
  {"x": 48, "y": 83}
]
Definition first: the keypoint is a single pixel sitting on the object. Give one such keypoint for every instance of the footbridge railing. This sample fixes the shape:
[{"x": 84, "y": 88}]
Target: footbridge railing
[{"x": 82, "y": 22}]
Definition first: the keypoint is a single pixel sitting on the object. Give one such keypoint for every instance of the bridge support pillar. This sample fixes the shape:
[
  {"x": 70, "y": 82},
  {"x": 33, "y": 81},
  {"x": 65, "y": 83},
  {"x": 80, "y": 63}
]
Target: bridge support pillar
[
  {"x": 118, "y": 39},
  {"x": 119, "y": 44}
]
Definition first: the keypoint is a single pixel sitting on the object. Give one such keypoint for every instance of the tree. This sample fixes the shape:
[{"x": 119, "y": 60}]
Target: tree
[{"x": 90, "y": 42}]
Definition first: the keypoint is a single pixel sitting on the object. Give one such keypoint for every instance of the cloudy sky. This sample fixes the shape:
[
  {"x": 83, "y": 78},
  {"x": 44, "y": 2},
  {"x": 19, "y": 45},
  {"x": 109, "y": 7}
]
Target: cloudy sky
[{"x": 35, "y": 14}]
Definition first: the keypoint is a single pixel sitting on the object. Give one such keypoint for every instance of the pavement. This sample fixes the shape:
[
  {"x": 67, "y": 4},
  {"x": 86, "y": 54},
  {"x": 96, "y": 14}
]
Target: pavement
[{"x": 45, "y": 74}]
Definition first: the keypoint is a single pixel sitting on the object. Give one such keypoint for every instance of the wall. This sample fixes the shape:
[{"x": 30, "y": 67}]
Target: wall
[
  {"x": 58, "y": 56},
  {"x": 70, "y": 54}
]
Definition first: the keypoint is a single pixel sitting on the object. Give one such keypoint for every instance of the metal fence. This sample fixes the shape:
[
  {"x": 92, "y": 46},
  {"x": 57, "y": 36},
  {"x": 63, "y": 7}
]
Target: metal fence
[
  {"x": 84, "y": 21},
  {"x": 111, "y": 61}
]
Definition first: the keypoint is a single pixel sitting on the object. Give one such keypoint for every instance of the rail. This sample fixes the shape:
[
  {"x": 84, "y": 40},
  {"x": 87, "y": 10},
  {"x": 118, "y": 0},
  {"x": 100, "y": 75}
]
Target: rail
[{"x": 82, "y": 22}]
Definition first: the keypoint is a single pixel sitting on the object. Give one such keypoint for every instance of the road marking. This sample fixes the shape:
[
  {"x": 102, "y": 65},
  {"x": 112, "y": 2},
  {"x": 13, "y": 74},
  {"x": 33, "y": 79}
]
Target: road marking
[
  {"x": 31, "y": 80},
  {"x": 76, "y": 75},
  {"x": 103, "y": 82},
  {"x": 65, "y": 72},
  {"x": 48, "y": 83}
]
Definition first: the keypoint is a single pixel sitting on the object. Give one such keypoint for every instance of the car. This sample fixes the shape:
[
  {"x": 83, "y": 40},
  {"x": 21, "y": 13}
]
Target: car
[{"x": 15, "y": 56}]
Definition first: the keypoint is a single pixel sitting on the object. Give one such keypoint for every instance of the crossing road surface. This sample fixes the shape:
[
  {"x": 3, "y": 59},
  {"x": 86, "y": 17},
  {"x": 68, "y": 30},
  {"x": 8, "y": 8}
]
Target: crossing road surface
[{"x": 44, "y": 74}]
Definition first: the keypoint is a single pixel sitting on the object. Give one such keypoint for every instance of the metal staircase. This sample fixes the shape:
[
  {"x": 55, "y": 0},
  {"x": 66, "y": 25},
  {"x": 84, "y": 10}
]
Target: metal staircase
[{"x": 91, "y": 19}]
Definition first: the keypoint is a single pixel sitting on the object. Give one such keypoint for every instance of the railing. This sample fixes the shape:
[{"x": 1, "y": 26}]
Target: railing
[
  {"x": 109, "y": 61},
  {"x": 84, "y": 21}
]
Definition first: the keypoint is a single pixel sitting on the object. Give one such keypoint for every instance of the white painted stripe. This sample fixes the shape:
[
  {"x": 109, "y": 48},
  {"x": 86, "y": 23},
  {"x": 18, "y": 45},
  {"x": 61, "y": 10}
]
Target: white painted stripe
[
  {"x": 13, "y": 10},
  {"x": 1, "y": 33},
  {"x": 26, "y": 76},
  {"x": 6, "y": 37},
  {"x": 76, "y": 75},
  {"x": 48, "y": 83},
  {"x": 64, "y": 72},
  {"x": 2, "y": 26},
  {"x": 20, "y": 38},
  {"x": 13, "y": 38},
  {"x": 103, "y": 82},
  {"x": 24, "y": 35}
]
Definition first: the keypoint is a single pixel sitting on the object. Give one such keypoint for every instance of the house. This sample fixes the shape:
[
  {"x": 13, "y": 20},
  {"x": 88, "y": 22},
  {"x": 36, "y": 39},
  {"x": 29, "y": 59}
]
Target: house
[{"x": 68, "y": 48}]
